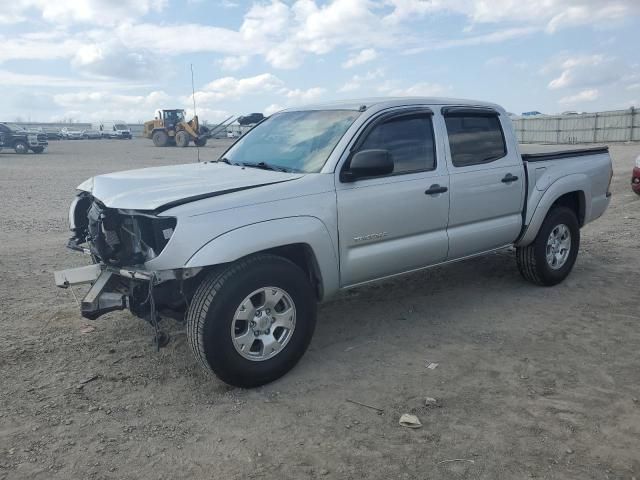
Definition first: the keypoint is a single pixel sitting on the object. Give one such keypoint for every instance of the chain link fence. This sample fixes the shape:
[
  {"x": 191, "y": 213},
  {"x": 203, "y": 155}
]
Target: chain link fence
[{"x": 600, "y": 127}]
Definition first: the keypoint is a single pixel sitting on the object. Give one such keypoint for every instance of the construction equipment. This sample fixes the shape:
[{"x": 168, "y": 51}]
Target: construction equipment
[{"x": 170, "y": 128}]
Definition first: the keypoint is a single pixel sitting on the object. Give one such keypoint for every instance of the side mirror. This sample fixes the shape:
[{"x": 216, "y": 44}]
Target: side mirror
[{"x": 368, "y": 163}]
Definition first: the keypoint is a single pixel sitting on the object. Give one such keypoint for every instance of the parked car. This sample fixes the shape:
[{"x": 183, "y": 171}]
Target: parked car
[
  {"x": 635, "y": 177},
  {"x": 92, "y": 134},
  {"x": 72, "y": 134},
  {"x": 319, "y": 200},
  {"x": 231, "y": 135},
  {"x": 53, "y": 133},
  {"x": 21, "y": 140}
]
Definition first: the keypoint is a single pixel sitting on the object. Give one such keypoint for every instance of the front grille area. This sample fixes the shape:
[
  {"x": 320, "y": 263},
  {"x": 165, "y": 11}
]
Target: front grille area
[{"x": 122, "y": 239}]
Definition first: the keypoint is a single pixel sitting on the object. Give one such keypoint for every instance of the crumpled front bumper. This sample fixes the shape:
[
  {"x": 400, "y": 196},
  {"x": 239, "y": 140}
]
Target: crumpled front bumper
[
  {"x": 104, "y": 295},
  {"x": 118, "y": 288}
]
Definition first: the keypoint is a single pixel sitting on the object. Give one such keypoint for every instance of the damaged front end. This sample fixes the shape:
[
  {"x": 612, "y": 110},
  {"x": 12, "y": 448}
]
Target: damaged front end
[
  {"x": 117, "y": 237},
  {"x": 119, "y": 243}
]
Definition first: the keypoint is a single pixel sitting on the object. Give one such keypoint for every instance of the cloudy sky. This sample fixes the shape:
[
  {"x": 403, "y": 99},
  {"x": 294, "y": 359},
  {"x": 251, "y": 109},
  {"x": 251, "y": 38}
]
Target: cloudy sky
[{"x": 121, "y": 59}]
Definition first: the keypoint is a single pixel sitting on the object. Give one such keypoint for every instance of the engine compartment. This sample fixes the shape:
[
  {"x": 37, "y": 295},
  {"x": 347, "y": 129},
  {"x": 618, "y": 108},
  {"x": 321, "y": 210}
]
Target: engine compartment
[{"x": 117, "y": 237}]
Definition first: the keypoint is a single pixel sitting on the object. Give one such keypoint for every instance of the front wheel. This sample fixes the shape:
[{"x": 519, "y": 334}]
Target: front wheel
[
  {"x": 21, "y": 147},
  {"x": 251, "y": 323},
  {"x": 182, "y": 139},
  {"x": 200, "y": 142},
  {"x": 549, "y": 259},
  {"x": 160, "y": 138}
]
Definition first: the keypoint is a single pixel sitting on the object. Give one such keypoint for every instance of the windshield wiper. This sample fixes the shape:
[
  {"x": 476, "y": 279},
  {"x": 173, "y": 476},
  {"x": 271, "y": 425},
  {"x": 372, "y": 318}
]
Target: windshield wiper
[
  {"x": 266, "y": 166},
  {"x": 225, "y": 160}
]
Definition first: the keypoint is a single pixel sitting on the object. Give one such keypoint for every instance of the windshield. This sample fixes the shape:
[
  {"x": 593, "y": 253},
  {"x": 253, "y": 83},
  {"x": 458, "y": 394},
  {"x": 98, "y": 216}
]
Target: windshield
[
  {"x": 13, "y": 126},
  {"x": 120, "y": 126},
  {"x": 296, "y": 141}
]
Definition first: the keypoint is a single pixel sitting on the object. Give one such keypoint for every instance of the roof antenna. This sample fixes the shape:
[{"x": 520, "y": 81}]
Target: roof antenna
[{"x": 193, "y": 95}]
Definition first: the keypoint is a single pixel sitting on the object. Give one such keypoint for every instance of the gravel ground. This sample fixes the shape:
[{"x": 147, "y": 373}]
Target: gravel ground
[{"x": 531, "y": 382}]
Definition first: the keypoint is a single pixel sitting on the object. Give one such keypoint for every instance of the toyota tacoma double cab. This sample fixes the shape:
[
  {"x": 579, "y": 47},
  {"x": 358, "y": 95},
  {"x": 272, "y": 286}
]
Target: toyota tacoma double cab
[
  {"x": 320, "y": 199},
  {"x": 21, "y": 140}
]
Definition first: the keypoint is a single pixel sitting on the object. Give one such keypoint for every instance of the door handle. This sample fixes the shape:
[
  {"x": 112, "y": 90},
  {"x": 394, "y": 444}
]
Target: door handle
[
  {"x": 508, "y": 178},
  {"x": 435, "y": 189}
]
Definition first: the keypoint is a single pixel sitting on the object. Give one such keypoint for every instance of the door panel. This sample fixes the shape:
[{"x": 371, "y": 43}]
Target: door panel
[
  {"x": 486, "y": 199},
  {"x": 485, "y": 212},
  {"x": 389, "y": 226}
]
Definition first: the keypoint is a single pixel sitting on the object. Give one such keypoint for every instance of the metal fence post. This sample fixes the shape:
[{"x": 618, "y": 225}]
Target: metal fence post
[
  {"x": 631, "y": 122},
  {"x": 595, "y": 128}
]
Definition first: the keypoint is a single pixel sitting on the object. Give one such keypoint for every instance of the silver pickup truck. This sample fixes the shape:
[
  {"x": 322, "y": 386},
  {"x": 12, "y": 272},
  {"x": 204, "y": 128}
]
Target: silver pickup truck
[{"x": 320, "y": 199}]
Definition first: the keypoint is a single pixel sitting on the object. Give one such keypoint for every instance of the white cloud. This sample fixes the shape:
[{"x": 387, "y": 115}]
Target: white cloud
[
  {"x": 584, "y": 96},
  {"x": 549, "y": 14},
  {"x": 229, "y": 88},
  {"x": 102, "y": 105},
  {"x": 358, "y": 81},
  {"x": 273, "y": 108},
  {"x": 232, "y": 88},
  {"x": 421, "y": 89},
  {"x": 584, "y": 70},
  {"x": 304, "y": 96},
  {"x": 472, "y": 40},
  {"x": 235, "y": 62},
  {"x": 363, "y": 56},
  {"x": 98, "y": 12},
  {"x": 8, "y": 78}
]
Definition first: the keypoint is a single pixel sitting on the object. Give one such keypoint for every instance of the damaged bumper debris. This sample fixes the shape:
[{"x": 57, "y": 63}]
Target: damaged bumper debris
[{"x": 119, "y": 243}]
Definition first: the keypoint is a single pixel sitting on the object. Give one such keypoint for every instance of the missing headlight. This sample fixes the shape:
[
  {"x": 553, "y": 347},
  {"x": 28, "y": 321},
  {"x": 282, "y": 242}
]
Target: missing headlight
[{"x": 117, "y": 237}]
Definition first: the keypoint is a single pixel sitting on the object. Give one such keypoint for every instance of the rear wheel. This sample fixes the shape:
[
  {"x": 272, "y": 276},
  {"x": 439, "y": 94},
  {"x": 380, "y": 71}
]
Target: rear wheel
[
  {"x": 37, "y": 149},
  {"x": 182, "y": 138},
  {"x": 251, "y": 323},
  {"x": 160, "y": 138},
  {"x": 21, "y": 147},
  {"x": 549, "y": 259}
]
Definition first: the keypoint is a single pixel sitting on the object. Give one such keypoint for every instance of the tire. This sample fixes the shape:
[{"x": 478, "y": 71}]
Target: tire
[
  {"x": 200, "y": 142},
  {"x": 160, "y": 138},
  {"x": 182, "y": 139},
  {"x": 37, "y": 149},
  {"x": 533, "y": 261},
  {"x": 218, "y": 303},
  {"x": 21, "y": 147}
]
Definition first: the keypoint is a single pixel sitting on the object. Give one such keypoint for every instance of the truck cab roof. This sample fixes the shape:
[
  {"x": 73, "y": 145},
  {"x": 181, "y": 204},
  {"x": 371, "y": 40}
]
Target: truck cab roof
[{"x": 388, "y": 102}]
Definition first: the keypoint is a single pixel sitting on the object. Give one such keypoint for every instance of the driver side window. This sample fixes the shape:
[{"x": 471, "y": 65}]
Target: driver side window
[{"x": 409, "y": 140}]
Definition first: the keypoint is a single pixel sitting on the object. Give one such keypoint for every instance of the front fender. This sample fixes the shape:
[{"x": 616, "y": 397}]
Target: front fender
[
  {"x": 243, "y": 241},
  {"x": 541, "y": 202}
]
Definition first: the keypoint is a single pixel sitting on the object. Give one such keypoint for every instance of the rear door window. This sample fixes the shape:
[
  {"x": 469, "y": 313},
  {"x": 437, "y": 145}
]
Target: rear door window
[{"x": 475, "y": 139}]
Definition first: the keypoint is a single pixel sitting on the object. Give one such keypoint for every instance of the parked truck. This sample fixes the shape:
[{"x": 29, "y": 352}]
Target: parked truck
[
  {"x": 317, "y": 200},
  {"x": 21, "y": 140}
]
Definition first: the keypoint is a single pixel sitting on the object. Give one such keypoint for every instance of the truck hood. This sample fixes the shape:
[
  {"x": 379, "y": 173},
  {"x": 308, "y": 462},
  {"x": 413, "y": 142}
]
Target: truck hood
[{"x": 161, "y": 188}]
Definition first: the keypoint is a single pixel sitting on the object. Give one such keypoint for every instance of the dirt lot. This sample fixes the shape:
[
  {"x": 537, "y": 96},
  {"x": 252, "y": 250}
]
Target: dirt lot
[{"x": 531, "y": 382}]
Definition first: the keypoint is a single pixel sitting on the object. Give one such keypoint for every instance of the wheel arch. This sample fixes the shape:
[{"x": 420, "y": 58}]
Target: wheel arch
[
  {"x": 572, "y": 191},
  {"x": 303, "y": 240}
]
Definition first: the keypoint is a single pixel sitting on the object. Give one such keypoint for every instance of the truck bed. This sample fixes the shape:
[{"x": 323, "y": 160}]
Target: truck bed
[{"x": 541, "y": 153}]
